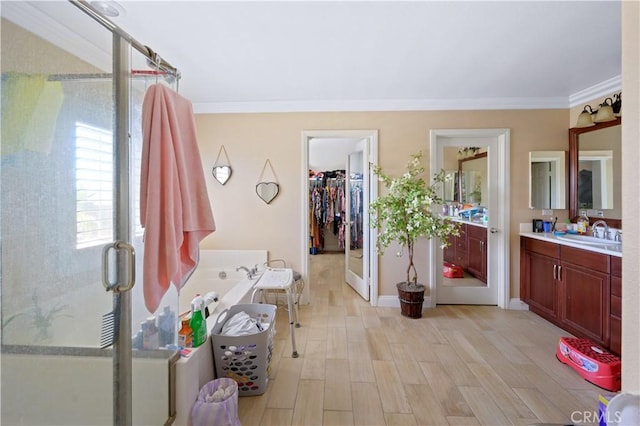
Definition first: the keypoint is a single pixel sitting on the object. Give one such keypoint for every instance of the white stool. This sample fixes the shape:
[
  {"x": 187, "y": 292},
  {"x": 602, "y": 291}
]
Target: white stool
[
  {"x": 297, "y": 281},
  {"x": 280, "y": 279}
]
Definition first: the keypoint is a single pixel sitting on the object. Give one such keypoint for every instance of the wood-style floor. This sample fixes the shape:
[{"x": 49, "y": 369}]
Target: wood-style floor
[{"x": 457, "y": 365}]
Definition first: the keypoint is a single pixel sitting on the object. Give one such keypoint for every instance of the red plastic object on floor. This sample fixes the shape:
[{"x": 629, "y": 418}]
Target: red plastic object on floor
[
  {"x": 450, "y": 270},
  {"x": 592, "y": 362}
]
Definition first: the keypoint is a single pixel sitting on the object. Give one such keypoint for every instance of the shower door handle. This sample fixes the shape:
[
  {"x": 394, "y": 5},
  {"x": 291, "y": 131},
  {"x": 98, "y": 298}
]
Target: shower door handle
[{"x": 130, "y": 270}]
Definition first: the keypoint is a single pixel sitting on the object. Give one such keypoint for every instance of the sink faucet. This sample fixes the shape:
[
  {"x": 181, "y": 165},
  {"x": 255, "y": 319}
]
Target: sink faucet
[
  {"x": 594, "y": 229},
  {"x": 247, "y": 270}
]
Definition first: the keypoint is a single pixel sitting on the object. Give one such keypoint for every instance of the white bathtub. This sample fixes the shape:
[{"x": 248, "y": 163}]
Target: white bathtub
[
  {"x": 195, "y": 371},
  {"x": 228, "y": 284}
]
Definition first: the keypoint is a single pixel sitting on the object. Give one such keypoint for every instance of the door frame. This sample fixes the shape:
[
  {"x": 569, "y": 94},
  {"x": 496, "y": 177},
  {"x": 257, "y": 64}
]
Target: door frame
[
  {"x": 372, "y": 138},
  {"x": 499, "y": 219}
]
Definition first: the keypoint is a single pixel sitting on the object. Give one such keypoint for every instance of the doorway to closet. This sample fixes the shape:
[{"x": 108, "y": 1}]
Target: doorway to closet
[{"x": 336, "y": 193}]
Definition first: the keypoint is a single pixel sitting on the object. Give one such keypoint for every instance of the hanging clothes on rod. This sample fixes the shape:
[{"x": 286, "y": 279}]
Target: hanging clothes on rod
[{"x": 326, "y": 209}]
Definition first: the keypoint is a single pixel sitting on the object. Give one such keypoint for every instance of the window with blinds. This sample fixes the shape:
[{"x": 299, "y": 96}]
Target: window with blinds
[{"x": 94, "y": 186}]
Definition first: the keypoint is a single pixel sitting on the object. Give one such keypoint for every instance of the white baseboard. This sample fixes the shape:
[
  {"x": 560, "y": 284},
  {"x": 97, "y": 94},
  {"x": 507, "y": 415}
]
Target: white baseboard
[
  {"x": 394, "y": 302},
  {"x": 518, "y": 305},
  {"x": 388, "y": 302}
]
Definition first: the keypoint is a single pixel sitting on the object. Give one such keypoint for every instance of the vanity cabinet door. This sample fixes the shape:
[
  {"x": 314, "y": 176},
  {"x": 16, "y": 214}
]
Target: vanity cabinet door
[
  {"x": 540, "y": 285},
  {"x": 477, "y": 252},
  {"x": 449, "y": 252},
  {"x": 584, "y": 307}
]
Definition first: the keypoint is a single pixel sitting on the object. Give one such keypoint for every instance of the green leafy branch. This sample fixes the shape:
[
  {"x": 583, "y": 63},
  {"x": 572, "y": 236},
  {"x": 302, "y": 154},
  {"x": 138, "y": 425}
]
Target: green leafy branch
[{"x": 405, "y": 213}]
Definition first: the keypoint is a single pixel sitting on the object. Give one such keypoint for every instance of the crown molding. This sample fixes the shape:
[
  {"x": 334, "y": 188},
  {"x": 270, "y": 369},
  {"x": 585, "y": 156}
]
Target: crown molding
[
  {"x": 599, "y": 90},
  {"x": 381, "y": 105}
]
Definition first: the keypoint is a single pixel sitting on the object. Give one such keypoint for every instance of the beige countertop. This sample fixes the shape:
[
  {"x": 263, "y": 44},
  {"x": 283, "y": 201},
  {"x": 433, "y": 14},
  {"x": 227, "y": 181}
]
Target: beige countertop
[{"x": 613, "y": 250}]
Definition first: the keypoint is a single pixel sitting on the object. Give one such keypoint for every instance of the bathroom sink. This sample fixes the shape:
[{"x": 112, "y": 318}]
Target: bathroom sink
[{"x": 584, "y": 239}]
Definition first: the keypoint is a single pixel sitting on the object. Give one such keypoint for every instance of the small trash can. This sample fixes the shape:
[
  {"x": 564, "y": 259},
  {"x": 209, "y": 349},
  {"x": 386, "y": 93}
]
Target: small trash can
[{"x": 216, "y": 404}]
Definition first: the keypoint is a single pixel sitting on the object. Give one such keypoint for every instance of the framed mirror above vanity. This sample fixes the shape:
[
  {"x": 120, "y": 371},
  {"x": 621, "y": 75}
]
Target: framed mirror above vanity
[
  {"x": 469, "y": 181},
  {"x": 547, "y": 180},
  {"x": 595, "y": 172}
]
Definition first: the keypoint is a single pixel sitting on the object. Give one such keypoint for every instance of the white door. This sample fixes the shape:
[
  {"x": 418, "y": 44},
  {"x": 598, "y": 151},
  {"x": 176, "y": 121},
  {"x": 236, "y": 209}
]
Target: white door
[
  {"x": 541, "y": 184},
  {"x": 495, "y": 197},
  {"x": 356, "y": 220}
]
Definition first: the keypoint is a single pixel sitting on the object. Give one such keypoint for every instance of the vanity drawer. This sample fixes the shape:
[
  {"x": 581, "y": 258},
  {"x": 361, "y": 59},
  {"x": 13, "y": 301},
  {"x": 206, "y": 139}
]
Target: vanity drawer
[
  {"x": 616, "y": 286},
  {"x": 615, "y": 344},
  {"x": 588, "y": 259},
  {"x": 616, "y": 266},
  {"x": 616, "y": 306},
  {"x": 542, "y": 247}
]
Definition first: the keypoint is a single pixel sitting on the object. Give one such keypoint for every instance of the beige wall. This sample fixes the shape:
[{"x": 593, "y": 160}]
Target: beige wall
[
  {"x": 246, "y": 222},
  {"x": 630, "y": 200}
]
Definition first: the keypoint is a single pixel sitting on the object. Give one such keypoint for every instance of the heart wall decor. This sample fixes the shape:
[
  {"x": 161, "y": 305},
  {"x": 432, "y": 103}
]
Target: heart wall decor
[
  {"x": 221, "y": 173},
  {"x": 267, "y": 191}
]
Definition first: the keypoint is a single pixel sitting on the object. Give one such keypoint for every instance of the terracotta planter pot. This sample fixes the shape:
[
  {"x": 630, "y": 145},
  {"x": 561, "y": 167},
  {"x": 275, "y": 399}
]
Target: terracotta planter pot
[{"x": 411, "y": 298}]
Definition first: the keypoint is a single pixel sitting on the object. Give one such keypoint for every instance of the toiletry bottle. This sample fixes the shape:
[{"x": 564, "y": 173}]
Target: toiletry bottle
[
  {"x": 583, "y": 224},
  {"x": 198, "y": 323},
  {"x": 185, "y": 335},
  {"x": 167, "y": 327},
  {"x": 150, "y": 334}
]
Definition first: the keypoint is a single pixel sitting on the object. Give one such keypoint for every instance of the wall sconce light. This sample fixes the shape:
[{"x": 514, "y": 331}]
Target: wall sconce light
[
  {"x": 617, "y": 104},
  {"x": 585, "y": 119},
  {"x": 467, "y": 152},
  {"x": 608, "y": 111},
  {"x": 605, "y": 112}
]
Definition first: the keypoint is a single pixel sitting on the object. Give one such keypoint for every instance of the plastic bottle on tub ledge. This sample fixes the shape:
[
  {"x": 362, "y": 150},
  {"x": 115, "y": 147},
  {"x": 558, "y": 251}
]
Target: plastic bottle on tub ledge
[
  {"x": 185, "y": 335},
  {"x": 198, "y": 322},
  {"x": 167, "y": 327}
]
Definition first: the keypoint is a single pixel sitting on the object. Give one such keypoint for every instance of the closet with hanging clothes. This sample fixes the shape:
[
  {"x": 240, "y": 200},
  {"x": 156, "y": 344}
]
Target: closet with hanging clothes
[{"x": 327, "y": 205}]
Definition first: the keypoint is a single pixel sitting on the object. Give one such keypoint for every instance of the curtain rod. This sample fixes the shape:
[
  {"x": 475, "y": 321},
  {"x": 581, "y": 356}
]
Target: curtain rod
[{"x": 154, "y": 59}]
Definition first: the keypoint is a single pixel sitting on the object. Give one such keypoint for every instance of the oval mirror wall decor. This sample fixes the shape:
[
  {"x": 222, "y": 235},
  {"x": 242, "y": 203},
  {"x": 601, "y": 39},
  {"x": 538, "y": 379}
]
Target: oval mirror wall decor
[
  {"x": 222, "y": 173},
  {"x": 266, "y": 190}
]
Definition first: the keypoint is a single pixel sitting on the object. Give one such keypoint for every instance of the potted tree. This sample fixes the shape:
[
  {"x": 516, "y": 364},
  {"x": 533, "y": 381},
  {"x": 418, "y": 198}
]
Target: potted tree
[{"x": 404, "y": 214}]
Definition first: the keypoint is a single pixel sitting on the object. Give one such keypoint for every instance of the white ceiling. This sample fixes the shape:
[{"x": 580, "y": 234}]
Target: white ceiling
[{"x": 371, "y": 55}]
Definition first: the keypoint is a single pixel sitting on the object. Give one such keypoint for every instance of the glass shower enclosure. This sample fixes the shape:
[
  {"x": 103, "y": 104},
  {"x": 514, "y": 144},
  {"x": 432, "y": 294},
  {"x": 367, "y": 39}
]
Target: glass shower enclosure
[{"x": 70, "y": 167}]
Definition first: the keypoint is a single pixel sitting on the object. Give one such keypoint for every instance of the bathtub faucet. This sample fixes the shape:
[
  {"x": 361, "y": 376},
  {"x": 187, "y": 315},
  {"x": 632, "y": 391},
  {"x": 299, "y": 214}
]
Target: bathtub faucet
[{"x": 247, "y": 270}]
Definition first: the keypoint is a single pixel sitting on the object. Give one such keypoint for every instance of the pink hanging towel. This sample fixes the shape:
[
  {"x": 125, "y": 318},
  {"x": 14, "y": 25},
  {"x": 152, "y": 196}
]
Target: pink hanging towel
[{"x": 174, "y": 205}]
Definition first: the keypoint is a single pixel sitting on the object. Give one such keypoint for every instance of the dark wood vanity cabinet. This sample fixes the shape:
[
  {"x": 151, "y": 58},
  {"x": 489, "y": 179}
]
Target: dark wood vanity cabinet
[
  {"x": 538, "y": 277},
  {"x": 456, "y": 252},
  {"x": 477, "y": 252},
  {"x": 615, "y": 320},
  {"x": 584, "y": 293},
  {"x": 449, "y": 252},
  {"x": 571, "y": 288},
  {"x": 469, "y": 250}
]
